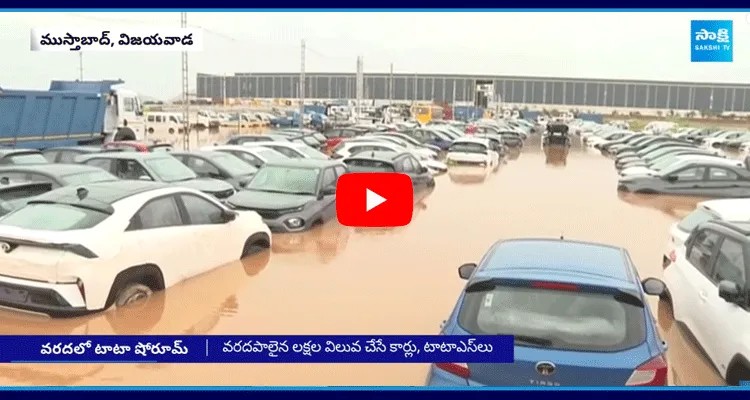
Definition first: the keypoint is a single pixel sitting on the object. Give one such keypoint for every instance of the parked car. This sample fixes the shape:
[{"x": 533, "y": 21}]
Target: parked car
[
  {"x": 705, "y": 178},
  {"x": 578, "y": 312},
  {"x": 711, "y": 210},
  {"x": 666, "y": 162},
  {"x": 56, "y": 174},
  {"x": 67, "y": 155},
  {"x": 292, "y": 150},
  {"x": 358, "y": 145},
  {"x": 257, "y": 156},
  {"x": 114, "y": 252},
  {"x": 292, "y": 195},
  {"x": 132, "y": 145},
  {"x": 158, "y": 167},
  {"x": 707, "y": 286},
  {"x": 473, "y": 151},
  {"x": 15, "y": 194},
  {"x": 336, "y": 135},
  {"x": 403, "y": 162},
  {"x": 218, "y": 165}
]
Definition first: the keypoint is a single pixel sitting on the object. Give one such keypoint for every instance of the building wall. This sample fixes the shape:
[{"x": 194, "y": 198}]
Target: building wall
[{"x": 523, "y": 90}]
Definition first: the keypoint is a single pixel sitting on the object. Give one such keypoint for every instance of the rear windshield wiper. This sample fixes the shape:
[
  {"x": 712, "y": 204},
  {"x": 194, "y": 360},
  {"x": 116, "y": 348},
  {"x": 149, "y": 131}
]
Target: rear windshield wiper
[{"x": 535, "y": 340}]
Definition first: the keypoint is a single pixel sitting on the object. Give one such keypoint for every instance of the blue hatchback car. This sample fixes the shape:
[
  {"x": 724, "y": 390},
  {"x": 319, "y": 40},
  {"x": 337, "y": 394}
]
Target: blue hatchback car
[{"x": 578, "y": 312}]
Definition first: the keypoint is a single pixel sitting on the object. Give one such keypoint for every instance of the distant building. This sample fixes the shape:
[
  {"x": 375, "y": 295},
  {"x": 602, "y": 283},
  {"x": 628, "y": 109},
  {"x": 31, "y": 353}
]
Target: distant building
[{"x": 716, "y": 97}]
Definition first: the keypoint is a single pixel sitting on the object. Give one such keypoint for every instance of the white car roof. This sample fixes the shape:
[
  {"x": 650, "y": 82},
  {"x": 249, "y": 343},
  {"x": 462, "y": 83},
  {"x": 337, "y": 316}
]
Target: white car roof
[
  {"x": 381, "y": 143},
  {"x": 729, "y": 209},
  {"x": 238, "y": 147}
]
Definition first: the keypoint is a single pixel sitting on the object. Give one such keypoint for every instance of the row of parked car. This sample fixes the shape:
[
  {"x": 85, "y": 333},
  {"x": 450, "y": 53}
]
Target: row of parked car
[
  {"x": 664, "y": 164},
  {"x": 86, "y": 228},
  {"x": 705, "y": 262}
]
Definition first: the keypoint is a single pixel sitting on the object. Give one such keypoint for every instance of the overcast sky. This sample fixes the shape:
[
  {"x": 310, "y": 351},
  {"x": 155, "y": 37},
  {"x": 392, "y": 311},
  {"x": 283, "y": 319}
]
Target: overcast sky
[{"x": 652, "y": 46}]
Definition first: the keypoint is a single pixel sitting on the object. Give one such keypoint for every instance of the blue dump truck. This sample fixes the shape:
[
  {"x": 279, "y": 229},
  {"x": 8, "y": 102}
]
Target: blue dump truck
[{"x": 70, "y": 113}]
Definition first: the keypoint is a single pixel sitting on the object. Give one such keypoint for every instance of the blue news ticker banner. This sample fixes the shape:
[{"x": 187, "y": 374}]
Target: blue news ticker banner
[{"x": 256, "y": 349}]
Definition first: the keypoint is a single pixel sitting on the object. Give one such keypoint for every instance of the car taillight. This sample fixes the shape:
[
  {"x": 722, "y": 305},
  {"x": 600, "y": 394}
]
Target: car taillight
[
  {"x": 458, "y": 369},
  {"x": 672, "y": 256},
  {"x": 555, "y": 286},
  {"x": 81, "y": 288},
  {"x": 652, "y": 373}
]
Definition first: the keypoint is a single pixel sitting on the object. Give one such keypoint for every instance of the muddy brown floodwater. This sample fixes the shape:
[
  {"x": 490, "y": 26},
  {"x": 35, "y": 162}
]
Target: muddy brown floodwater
[{"x": 338, "y": 280}]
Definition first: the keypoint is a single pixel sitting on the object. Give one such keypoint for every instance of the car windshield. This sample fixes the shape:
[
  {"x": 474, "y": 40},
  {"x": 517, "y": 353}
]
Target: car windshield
[
  {"x": 466, "y": 147},
  {"x": 285, "y": 180},
  {"x": 697, "y": 217},
  {"x": 233, "y": 165},
  {"x": 565, "y": 320},
  {"x": 87, "y": 177},
  {"x": 26, "y": 159},
  {"x": 53, "y": 217},
  {"x": 309, "y": 152},
  {"x": 269, "y": 154},
  {"x": 169, "y": 169},
  {"x": 356, "y": 165}
]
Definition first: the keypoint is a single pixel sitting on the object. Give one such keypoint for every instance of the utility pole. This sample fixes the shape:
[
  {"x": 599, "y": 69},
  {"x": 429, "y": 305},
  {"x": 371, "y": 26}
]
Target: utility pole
[
  {"x": 453, "y": 102},
  {"x": 302, "y": 88},
  {"x": 80, "y": 66},
  {"x": 224, "y": 90},
  {"x": 185, "y": 92},
  {"x": 359, "y": 86},
  {"x": 390, "y": 87}
]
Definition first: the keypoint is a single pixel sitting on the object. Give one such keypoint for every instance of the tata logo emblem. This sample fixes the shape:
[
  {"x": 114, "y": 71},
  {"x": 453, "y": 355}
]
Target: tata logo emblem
[
  {"x": 545, "y": 368},
  {"x": 711, "y": 41}
]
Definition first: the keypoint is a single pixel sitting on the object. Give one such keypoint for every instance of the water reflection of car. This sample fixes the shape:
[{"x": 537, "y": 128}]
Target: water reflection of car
[
  {"x": 556, "y": 155},
  {"x": 193, "y": 307},
  {"x": 673, "y": 206},
  {"x": 292, "y": 195},
  {"x": 514, "y": 154},
  {"x": 326, "y": 241},
  {"x": 420, "y": 206},
  {"x": 468, "y": 175}
]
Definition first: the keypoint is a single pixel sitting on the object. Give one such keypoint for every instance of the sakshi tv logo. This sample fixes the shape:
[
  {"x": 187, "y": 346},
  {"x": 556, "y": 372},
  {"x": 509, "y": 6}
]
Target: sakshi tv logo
[{"x": 711, "y": 41}]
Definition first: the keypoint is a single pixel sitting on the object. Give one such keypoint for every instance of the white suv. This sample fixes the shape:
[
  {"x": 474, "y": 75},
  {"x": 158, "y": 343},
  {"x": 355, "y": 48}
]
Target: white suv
[{"x": 707, "y": 285}]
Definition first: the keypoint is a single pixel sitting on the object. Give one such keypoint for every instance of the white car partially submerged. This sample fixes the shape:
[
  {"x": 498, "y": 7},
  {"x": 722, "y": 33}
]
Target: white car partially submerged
[
  {"x": 80, "y": 249},
  {"x": 472, "y": 151}
]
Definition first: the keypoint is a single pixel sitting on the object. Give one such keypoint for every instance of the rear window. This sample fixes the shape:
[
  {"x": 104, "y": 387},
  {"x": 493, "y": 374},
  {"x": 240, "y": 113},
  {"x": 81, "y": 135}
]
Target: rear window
[
  {"x": 26, "y": 159},
  {"x": 53, "y": 217},
  {"x": 695, "y": 218},
  {"x": 576, "y": 321},
  {"x": 465, "y": 147},
  {"x": 24, "y": 191},
  {"x": 369, "y": 166}
]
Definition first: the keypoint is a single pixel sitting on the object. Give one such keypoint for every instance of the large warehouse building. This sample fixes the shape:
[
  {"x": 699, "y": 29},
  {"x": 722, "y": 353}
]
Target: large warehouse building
[{"x": 716, "y": 97}]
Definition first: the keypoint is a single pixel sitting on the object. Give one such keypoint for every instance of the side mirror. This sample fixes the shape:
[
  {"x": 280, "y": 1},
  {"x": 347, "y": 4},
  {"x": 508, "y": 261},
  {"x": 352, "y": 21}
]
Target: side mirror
[
  {"x": 328, "y": 191},
  {"x": 465, "y": 271},
  {"x": 653, "y": 286},
  {"x": 729, "y": 291},
  {"x": 229, "y": 215}
]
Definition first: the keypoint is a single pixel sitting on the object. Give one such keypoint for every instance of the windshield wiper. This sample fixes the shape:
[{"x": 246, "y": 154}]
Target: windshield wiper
[{"x": 535, "y": 340}]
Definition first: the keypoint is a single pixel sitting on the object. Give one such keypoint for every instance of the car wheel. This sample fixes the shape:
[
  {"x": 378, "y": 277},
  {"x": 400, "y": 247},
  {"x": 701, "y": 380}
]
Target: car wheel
[
  {"x": 171, "y": 131},
  {"x": 132, "y": 293}
]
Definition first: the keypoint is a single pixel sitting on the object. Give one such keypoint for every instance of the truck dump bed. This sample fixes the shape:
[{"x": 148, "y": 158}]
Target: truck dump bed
[{"x": 70, "y": 113}]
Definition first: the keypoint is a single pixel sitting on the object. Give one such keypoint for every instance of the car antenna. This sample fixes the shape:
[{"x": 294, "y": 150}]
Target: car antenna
[{"x": 82, "y": 193}]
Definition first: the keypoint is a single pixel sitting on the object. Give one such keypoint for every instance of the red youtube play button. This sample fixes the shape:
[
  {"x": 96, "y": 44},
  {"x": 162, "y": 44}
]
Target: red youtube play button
[{"x": 374, "y": 200}]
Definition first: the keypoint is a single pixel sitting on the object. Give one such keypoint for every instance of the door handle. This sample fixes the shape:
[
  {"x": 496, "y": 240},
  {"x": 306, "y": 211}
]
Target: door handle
[{"x": 703, "y": 295}]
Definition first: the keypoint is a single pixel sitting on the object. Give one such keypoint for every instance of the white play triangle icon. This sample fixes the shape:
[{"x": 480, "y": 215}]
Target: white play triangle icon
[{"x": 373, "y": 200}]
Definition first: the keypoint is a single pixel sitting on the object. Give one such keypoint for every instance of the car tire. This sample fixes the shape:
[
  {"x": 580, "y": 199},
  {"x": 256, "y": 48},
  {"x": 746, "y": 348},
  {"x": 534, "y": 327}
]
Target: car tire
[
  {"x": 132, "y": 293},
  {"x": 171, "y": 131},
  {"x": 150, "y": 130}
]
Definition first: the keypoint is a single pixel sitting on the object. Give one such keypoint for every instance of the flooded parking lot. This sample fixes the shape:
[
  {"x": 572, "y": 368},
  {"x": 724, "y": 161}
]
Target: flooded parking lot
[{"x": 338, "y": 280}]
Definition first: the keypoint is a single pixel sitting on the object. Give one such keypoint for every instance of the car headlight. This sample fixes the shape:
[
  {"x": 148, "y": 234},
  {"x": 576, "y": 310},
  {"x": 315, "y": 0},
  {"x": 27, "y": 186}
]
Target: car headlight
[{"x": 294, "y": 223}]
